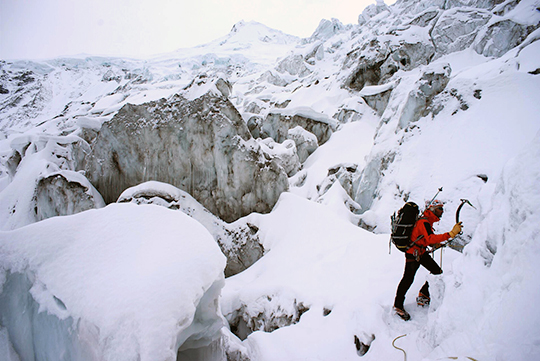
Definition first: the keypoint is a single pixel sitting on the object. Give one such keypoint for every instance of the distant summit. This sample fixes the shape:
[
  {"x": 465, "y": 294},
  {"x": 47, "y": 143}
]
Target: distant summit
[{"x": 253, "y": 32}]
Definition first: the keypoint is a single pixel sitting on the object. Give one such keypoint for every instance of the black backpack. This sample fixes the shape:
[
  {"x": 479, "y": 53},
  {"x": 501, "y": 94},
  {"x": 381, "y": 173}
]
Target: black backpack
[{"x": 402, "y": 225}]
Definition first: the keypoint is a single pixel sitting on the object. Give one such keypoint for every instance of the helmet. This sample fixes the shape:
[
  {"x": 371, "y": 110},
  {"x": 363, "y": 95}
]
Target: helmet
[{"x": 436, "y": 203}]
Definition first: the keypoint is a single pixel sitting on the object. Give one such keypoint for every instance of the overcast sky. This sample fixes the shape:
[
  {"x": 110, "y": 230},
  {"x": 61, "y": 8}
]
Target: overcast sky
[{"x": 37, "y": 29}]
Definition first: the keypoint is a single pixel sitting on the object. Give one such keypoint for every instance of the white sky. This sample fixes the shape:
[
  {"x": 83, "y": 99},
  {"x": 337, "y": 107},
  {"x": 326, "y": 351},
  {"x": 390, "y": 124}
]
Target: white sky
[{"x": 36, "y": 29}]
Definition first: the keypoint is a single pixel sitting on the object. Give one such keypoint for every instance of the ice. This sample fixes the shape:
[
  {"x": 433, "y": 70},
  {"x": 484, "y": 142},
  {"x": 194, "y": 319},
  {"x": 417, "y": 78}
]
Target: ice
[
  {"x": 123, "y": 282},
  {"x": 323, "y": 280},
  {"x": 238, "y": 241},
  {"x": 6, "y": 349}
]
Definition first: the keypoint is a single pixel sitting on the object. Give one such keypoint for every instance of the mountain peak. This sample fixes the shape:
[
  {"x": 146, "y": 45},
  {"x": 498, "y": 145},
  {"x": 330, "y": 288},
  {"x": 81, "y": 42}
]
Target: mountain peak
[{"x": 253, "y": 31}]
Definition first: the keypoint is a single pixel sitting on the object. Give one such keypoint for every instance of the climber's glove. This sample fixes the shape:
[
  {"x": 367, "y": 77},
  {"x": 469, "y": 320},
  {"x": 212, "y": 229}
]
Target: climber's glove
[{"x": 456, "y": 230}]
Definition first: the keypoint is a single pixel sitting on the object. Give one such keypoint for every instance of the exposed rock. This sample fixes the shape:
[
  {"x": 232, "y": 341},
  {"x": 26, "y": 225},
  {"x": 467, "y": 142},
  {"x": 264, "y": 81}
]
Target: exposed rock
[
  {"x": 201, "y": 146},
  {"x": 456, "y": 29},
  {"x": 238, "y": 241},
  {"x": 451, "y": 99},
  {"x": 483, "y": 177},
  {"x": 56, "y": 195},
  {"x": 501, "y": 37},
  {"x": 24, "y": 78}
]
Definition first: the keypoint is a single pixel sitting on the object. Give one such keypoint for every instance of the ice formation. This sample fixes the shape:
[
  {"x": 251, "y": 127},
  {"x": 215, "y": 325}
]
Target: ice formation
[
  {"x": 123, "y": 282},
  {"x": 352, "y": 121}
]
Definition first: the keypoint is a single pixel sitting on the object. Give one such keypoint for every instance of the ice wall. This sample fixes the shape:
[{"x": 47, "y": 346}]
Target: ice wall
[{"x": 124, "y": 282}]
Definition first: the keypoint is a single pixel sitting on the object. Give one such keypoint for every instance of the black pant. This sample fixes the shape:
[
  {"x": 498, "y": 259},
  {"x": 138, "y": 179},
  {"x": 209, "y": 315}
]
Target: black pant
[{"x": 411, "y": 266}]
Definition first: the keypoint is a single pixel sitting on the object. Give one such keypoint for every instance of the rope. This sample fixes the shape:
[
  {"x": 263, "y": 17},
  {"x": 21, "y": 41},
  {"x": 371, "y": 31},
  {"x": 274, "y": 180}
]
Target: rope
[
  {"x": 393, "y": 344},
  {"x": 405, "y": 353}
]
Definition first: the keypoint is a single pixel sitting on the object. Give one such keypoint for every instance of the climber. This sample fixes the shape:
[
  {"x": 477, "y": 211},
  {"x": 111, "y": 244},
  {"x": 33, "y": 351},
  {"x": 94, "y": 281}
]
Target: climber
[{"x": 415, "y": 256}]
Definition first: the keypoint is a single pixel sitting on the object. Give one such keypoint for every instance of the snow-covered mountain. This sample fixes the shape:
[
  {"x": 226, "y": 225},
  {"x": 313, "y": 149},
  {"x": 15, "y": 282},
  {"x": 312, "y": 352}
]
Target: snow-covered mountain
[{"x": 292, "y": 154}]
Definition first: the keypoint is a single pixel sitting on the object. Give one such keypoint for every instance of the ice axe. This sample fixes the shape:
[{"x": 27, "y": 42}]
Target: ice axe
[
  {"x": 435, "y": 196},
  {"x": 463, "y": 202}
]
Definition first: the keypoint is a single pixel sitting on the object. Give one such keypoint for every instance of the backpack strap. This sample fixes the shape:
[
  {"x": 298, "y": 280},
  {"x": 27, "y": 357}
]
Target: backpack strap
[{"x": 413, "y": 243}]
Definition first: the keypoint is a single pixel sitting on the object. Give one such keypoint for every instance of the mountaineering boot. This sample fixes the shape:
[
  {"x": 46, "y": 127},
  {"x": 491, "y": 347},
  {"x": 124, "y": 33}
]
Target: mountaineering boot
[
  {"x": 402, "y": 313},
  {"x": 422, "y": 300}
]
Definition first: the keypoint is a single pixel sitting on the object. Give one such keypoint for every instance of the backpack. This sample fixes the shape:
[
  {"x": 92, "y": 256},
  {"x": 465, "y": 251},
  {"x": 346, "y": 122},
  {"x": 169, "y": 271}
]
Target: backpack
[{"x": 402, "y": 226}]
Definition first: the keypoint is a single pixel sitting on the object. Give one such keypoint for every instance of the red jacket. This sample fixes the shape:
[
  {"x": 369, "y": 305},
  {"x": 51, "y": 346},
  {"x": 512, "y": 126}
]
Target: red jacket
[{"x": 424, "y": 228}]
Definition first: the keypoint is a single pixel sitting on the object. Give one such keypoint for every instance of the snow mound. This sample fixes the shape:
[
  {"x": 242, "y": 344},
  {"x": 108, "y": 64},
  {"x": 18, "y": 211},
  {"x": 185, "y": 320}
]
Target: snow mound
[{"x": 124, "y": 282}]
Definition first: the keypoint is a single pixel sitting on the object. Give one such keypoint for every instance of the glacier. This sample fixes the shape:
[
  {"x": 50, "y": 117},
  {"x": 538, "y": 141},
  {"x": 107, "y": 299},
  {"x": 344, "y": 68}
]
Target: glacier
[{"x": 300, "y": 151}]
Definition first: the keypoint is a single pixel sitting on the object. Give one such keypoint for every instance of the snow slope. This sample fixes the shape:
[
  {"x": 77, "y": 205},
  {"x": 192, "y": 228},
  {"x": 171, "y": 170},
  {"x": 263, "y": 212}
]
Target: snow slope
[{"x": 323, "y": 279}]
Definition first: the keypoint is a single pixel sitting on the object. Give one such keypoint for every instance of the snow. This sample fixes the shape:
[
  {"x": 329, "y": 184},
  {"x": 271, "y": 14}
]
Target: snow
[
  {"x": 136, "y": 273},
  {"x": 131, "y": 276},
  {"x": 376, "y": 89},
  {"x": 325, "y": 262},
  {"x": 356, "y": 137}
]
